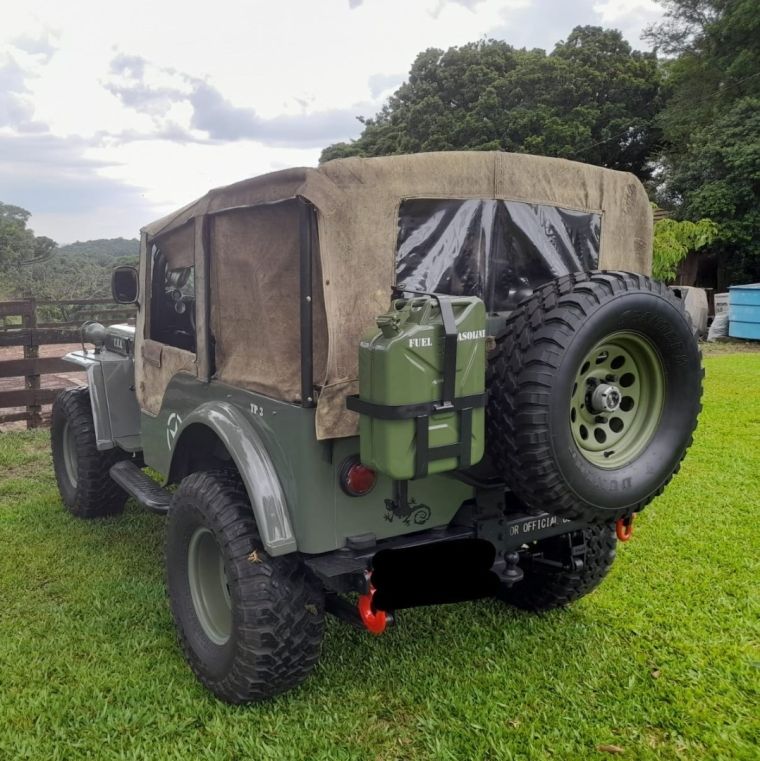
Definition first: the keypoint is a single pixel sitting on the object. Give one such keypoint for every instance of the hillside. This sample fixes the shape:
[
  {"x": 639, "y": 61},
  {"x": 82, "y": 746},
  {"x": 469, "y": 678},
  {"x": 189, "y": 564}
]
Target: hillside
[
  {"x": 113, "y": 247},
  {"x": 80, "y": 270}
]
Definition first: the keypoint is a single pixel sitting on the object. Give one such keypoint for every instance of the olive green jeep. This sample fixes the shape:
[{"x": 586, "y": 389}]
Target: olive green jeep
[{"x": 380, "y": 384}]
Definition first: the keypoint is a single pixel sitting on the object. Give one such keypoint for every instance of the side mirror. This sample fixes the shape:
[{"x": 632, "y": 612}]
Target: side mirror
[{"x": 124, "y": 285}]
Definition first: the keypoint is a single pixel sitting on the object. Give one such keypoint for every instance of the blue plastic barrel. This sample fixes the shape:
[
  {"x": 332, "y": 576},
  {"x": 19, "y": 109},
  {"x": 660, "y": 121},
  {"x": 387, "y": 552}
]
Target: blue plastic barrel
[{"x": 744, "y": 311}]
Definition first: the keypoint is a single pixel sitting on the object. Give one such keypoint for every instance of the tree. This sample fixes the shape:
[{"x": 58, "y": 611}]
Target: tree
[
  {"x": 105, "y": 250},
  {"x": 35, "y": 264},
  {"x": 674, "y": 240},
  {"x": 592, "y": 98},
  {"x": 711, "y": 124},
  {"x": 19, "y": 248},
  {"x": 16, "y": 241}
]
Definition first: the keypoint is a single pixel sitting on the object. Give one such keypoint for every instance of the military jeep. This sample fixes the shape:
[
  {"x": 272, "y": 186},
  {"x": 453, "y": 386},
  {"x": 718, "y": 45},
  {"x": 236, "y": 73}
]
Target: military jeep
[{"x": 379, "y": 384}]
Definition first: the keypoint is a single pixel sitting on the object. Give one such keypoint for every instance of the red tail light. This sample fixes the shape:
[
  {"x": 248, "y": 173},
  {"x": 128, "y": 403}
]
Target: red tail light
[{"x": 356, "y": 479}]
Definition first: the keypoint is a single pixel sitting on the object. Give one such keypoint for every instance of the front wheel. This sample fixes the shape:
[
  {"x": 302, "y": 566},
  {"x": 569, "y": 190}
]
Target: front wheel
[
  {"x": 250, "y": 625},
  {"x": 81, "y": 470}
]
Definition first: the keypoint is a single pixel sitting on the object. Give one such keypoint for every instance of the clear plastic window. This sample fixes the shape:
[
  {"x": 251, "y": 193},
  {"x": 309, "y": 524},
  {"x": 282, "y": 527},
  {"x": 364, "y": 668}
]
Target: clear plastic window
[
  {"x": 497, "y": 250},
  {"x": 172, "y": 309}
]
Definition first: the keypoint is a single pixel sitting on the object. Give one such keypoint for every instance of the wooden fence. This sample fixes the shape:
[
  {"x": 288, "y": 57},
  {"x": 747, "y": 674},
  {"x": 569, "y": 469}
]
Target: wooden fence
[{"x": 26, "y": 330}]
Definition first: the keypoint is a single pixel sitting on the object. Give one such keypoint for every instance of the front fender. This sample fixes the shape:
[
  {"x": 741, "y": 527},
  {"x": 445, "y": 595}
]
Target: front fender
[
  {"x": 110, "y": 378},
  {"x": 249, "y": 454},
  {"x": 96, "y": 383}
]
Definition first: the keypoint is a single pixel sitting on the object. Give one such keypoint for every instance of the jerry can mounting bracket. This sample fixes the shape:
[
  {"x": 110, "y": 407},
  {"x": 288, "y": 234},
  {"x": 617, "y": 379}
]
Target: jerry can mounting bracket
[
  {"x": 459, "y": 436},
  {"x": 421, "y": 413},
  {"x": 450, "y": 342},
  {"x": 409, "y": 411}
]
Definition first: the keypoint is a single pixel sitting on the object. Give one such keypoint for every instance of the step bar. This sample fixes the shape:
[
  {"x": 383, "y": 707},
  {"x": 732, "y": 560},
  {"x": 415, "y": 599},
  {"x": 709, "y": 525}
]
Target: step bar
[{"x": 141, "y": 486}]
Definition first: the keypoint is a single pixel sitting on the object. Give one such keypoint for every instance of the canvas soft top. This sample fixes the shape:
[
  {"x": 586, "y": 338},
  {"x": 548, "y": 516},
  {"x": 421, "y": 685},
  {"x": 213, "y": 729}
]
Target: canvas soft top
[{"x": 357, "y": 204}]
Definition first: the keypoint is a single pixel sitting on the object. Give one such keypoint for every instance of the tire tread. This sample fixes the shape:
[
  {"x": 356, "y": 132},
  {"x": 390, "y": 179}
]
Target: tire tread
[
  {"x": 545, "y": 590},
  {"x": 96, "y": 495},
  {"x": 279, "y": 615},
  {"x": 527, "y": 356}
]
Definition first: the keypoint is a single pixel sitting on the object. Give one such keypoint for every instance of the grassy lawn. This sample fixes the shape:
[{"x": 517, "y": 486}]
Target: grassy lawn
[{"x": 662, "y": 661}]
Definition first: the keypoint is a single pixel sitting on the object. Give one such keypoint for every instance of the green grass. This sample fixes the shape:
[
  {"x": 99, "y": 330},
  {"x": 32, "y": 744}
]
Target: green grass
[{"x": 661, "y": 661}]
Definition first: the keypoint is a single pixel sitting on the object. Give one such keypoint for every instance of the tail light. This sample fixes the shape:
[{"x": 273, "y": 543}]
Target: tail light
[{"x": 356, "y": 479}]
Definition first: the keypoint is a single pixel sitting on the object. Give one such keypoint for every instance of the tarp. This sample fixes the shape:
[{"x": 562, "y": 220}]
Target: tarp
[{"x": 358, "y": 203}]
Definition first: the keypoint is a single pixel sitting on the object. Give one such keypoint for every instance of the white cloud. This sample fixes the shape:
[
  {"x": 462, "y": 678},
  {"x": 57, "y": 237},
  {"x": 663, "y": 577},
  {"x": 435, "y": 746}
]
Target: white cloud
[
  {"x": 630, "y": 16},
  {"x": 151, "y": 103},
  {"x": 613, "y": 11}
]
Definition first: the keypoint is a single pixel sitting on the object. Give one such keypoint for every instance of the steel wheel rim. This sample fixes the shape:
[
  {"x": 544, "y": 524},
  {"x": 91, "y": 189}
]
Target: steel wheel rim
[
  {"x": 617, "y": 399},
  {"x": 70, "y": 460},
  {"x": 208, "y": 586}
]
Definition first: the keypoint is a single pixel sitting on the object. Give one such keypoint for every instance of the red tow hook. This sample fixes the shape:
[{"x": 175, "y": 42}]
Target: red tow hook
[
  {"x": 374, "y": 621},
  {"x": 624, "y": 528}
]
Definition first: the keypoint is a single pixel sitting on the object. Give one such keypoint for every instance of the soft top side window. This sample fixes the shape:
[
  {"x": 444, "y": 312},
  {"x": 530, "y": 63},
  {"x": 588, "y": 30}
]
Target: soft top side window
[{"x": 172, "y": 305}]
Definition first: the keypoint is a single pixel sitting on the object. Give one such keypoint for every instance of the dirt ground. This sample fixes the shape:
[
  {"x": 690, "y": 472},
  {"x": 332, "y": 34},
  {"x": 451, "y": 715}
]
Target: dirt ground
[
  {"x": 729, "y": 346},
  {"x": 54, "y": 380}
]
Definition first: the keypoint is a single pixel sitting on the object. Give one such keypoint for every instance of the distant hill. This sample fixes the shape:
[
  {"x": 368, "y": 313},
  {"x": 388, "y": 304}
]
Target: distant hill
[
  {"x": 112, "y": 247},
  {"x": 80, "y": 270}
]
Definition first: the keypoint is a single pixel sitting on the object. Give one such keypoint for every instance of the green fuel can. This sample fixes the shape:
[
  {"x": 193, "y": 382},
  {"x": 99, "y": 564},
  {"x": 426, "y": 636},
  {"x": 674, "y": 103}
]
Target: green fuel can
[{"x": 422, "y": 387}]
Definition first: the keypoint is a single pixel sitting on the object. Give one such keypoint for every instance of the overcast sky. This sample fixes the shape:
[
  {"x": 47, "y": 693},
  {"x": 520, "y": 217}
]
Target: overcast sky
[{"x": 112, "y": 114}]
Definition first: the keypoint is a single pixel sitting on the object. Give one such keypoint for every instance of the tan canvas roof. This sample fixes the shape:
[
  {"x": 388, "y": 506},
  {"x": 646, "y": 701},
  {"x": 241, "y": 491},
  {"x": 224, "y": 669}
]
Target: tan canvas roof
[{"x": 357, "y": 203}]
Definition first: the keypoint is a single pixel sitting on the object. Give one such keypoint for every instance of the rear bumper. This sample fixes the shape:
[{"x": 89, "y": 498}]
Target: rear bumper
[{"x": 345, "y": 570}]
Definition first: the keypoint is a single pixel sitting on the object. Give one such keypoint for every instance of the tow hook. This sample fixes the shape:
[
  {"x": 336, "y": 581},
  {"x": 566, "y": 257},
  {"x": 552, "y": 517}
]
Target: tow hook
[
  {"x": 375, "y": 621},
  {"x": 624, "y": 528}
]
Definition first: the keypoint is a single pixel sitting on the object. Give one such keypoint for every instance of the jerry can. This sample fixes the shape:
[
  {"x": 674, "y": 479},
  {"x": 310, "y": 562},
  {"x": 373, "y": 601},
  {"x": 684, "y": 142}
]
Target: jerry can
[{"x": 422, "y": 387}]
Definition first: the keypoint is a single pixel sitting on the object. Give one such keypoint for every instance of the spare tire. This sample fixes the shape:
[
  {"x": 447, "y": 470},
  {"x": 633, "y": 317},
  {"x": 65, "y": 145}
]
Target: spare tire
[{"x": 593, "y": 395}]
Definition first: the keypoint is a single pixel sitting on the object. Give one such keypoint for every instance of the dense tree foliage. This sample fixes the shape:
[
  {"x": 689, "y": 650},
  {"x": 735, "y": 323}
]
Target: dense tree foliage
[
  {"x": 674, "y": 240},
  {"x": 592, "y": 98},
  {"x": 711, "y": 124},
  {"x": 32, "y": 264},
  {"x": 104, "y": 249},
  {"x": 689, "y": 125},
  {"x": 18, "y": 244}
]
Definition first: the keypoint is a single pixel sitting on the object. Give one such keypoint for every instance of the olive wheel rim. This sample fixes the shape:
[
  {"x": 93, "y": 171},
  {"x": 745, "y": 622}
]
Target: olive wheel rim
[
  {"x": 617, "y": 399},
  {"x": 209, "y": 588},
  {"x": 70, "y": 459}
]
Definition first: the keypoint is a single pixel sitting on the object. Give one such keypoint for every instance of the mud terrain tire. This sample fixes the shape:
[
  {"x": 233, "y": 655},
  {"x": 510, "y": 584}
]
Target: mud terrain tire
[
  {"x": 594, "y": 393},
  {"x": 250, "y": 625},
  {"x": 544, "y": 588},
  {"x": 80, "y": 469}
]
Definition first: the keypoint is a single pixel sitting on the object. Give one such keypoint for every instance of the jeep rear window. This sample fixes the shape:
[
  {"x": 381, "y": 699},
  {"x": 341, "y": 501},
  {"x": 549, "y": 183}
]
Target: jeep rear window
[{"x": 497, "y": 250}]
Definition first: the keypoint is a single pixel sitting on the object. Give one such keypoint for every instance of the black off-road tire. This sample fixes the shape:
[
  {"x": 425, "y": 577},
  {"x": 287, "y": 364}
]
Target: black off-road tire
[
  {"x": 533, "y": 375},
  {"x": 86, "y": 487},
  {"x": 277, "y": 607},
  {"x": 544, "y": 588}
]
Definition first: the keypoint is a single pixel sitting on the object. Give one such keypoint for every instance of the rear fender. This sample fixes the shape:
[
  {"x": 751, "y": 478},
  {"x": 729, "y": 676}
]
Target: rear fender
[{"x": 248, "y": 452}]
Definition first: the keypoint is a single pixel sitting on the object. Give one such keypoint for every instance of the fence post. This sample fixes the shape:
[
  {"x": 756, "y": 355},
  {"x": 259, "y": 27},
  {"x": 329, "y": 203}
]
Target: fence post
[{"x": 32, "y": 351}]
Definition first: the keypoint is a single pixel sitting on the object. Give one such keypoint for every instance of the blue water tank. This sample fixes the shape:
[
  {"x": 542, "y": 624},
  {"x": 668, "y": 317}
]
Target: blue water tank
[{"x": 744, "y": 311}]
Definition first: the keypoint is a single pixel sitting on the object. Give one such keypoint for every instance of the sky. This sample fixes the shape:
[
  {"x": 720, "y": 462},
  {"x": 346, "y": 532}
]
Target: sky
[{"x": 113, "y": 114}]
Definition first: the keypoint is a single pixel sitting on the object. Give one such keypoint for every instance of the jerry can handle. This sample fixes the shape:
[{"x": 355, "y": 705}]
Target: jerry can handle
[
  {"x": 416, "y": 310},
  {"x": 392, "y": 321},
  {"x": 420, "y": 309}
]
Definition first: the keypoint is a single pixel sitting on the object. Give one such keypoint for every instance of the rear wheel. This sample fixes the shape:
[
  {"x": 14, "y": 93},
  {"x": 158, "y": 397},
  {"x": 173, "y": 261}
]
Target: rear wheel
[
  {"x": 82, "y": 472},
  {"x": 250, "y": 625},
  {"x": 550, "y": 582}
]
